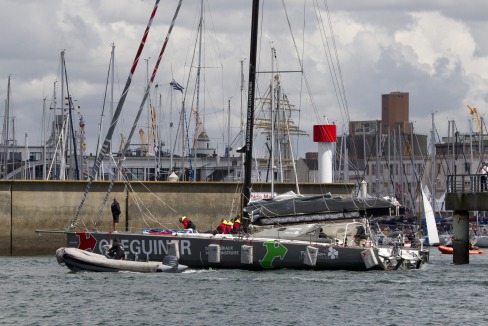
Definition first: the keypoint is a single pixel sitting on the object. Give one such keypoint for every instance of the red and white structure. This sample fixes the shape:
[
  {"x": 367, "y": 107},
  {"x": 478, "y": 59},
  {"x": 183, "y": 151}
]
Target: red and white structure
[{"x": 326, "y": 137}]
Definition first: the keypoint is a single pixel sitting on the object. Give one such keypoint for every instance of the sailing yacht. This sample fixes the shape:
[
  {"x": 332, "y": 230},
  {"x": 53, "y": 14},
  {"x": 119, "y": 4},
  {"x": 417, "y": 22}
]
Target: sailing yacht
[{"x": 317, "y": 246}]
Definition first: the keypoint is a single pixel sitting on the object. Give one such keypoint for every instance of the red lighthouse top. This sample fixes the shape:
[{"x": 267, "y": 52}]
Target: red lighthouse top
[{"x": 324, "y": 133}]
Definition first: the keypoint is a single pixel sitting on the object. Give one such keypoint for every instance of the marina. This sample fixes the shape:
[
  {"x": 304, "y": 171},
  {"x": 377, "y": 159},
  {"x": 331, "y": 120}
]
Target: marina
[
  {"x": 247, "y": 187},
  {"x": 252, "y": 248}
]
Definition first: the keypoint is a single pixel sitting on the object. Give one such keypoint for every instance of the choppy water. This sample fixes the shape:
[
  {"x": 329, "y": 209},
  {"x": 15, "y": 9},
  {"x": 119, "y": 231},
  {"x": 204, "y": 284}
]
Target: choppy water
[{"x": 38, "y": 291}]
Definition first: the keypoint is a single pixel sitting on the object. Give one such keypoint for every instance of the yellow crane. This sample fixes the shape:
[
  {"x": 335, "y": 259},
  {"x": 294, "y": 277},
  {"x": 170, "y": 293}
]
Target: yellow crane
[
  {"x": 143, "y": 142},
  {"x": 408, "y": 148},
  {"x": 122, "y": 143},
  {"x": 476, "y": 117}
]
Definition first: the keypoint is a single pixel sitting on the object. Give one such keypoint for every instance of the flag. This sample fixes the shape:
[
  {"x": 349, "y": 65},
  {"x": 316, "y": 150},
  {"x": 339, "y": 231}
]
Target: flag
[{"x": 176, "y": 86}]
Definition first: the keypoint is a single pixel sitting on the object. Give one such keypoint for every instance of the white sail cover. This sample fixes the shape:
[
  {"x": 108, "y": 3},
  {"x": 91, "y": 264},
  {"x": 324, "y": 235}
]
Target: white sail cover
[{"x": 430, "y": 220}]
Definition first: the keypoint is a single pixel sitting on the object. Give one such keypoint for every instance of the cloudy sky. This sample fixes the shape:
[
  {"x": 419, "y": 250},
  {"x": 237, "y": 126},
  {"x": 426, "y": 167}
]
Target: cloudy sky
[{"x": 436, "y": 50}]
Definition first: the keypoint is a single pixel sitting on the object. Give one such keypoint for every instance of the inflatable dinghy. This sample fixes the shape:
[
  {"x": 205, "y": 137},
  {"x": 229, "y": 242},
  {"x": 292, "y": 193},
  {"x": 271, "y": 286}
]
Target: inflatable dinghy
[{"x": 81, "y": 260}]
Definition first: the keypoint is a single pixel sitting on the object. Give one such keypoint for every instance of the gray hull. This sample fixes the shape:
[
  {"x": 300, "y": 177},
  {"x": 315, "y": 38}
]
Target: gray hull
[
  {"x": 481, "y": 241},
  {"x": 227, "y": 251}
]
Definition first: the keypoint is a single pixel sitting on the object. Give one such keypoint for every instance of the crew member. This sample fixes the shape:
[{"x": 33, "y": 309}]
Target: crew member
[
  {"x": 187, "y": 224},
  {"x": 115, "y": 214},
  {"x": 237, "y": 224},
  {"x": 221, "y": 229},
  {"x": 116, "y": 251},
  {"x": 360, "y": 235},
  {"x": 228, "y": 227}
]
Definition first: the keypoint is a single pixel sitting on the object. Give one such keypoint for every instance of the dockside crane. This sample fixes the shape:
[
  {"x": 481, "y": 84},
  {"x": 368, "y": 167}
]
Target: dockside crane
[{"x": 476, "y": 118}]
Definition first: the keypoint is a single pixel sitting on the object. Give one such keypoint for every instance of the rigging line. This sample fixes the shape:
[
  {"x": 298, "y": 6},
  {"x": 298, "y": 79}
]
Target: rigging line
[
  {"x": 409, "y": 184},
  {"x": 198, "y": 122},
  {"x": 389, "y": 167},
  {"x": 148, "y": 190},
  {"x": 365, "y": 159},
  {"x": 328, "y": 56},
  {"x": 177, "y": 132},
  {"x": 103, "y": 105},
  {"x": 444, "y": 159},
  {"x": 143, "y": 102},
  {"x": 301, "y": 80},
  {"x": 369, "y": 159},
  {"x": 482, "y": 137},
  {"x": 110, "y": 187},
  {"x": 196, "y": 22},
  {"x": 191, "y": 67},
  {"x": 421, "y": 171},
  {"x": 115, "y": 118},
  {"x": 344, "y": 97},
  {"x": 138, "y": 202},
  {"x": 463, "y": 153},
  {"x": 300, "y": 62},
  {"x": 71, "y": 108},
  {"x": 349, "y": 143},
  {"x": 210, "y": 99},
  {"x": 425, "y": 160},
  {"x": 216, "y": 44},
  {"x": 414, "y": 171},
  {"x": 382, "y": 154},
  {"x": 287, "y": 125},
  {"x": 55, "y": 150},
  {"x": 189, "y": 150}
]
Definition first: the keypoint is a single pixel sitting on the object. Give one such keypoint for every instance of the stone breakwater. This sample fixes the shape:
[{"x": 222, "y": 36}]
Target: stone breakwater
[{"x": 27, "y": 206}]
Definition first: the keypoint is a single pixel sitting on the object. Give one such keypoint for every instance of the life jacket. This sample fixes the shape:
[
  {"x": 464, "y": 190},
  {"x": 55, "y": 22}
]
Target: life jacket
[
  {"x": 220, "y": 229},
  {"x": 237, "y": 225},
  {"x": 223, "y": 227},
  {"x": 228, "y": 228},
  {"x": 187, "y": 224}
]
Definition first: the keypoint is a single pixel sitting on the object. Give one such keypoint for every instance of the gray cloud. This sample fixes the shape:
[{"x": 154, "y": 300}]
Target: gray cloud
[{"x": 435, "y": 50}]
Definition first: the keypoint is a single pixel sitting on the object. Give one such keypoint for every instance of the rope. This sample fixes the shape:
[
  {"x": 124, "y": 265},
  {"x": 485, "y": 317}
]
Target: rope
[{"x": 108, "y": 138}]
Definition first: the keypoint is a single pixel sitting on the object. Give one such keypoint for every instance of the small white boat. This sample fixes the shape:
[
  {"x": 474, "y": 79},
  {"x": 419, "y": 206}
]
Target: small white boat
[{"x": 81, "y": 260}]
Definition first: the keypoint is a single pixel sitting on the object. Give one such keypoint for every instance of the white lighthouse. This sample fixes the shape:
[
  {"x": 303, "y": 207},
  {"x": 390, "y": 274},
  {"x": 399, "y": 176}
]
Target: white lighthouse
[{"x": 326, "y": 137}]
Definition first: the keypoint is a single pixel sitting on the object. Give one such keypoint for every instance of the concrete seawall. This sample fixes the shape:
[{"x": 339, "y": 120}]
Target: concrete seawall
[{"x": 27, "y": 206}]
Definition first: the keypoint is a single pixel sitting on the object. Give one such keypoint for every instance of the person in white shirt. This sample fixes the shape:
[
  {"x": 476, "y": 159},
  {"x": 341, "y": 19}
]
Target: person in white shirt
[{"x": 484, "y": 171}]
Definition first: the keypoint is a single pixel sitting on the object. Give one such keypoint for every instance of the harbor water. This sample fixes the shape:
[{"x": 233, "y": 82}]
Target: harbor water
[{"x": 39, "y": 291}]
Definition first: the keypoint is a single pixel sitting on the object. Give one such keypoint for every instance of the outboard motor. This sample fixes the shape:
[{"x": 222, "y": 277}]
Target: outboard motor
[
  {"x": 105, "y": 249},
  {"x": 171, "y": 261}
]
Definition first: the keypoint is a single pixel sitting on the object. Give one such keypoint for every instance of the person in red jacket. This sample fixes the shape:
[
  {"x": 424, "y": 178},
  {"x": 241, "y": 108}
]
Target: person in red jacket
[
  {"x": 228, "y": 227},
  {"x": 187, "y": 224},
  {"x": 237, "y": 224},
  {"x": 222, "y": 228}
]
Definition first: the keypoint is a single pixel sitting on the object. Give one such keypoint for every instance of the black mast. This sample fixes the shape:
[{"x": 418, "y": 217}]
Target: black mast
[{"x": 246, "y": 189}]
